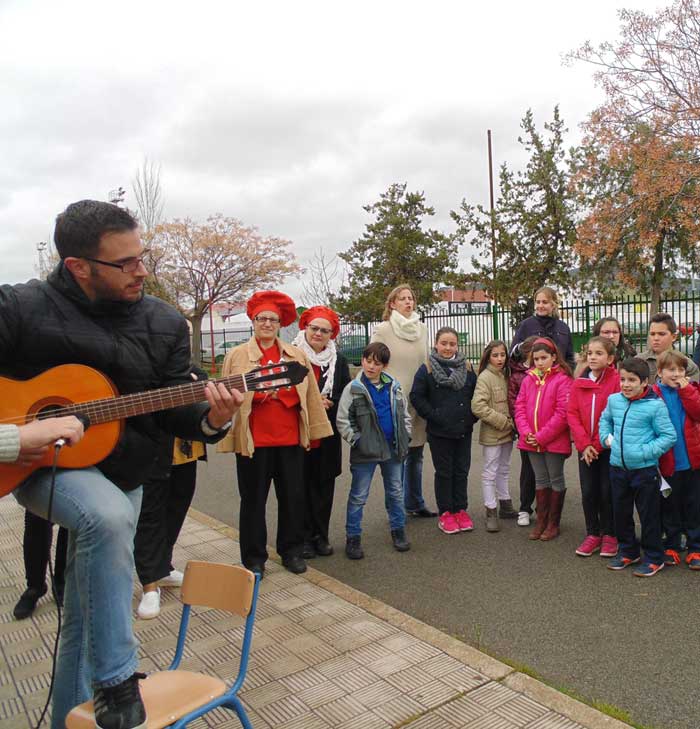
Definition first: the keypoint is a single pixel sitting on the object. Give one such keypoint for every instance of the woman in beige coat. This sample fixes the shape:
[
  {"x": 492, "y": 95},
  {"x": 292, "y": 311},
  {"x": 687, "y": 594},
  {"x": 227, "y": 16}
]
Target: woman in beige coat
[
  {"x": 270, "y": 434},
  {"x": 490, "y": 405},
  {"x": 407, "y": 338}
]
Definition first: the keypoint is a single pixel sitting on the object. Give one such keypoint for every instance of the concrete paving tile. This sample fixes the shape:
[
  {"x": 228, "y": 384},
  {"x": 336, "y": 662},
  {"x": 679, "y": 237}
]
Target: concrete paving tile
[
  {"x": 307, "y": 721},
  {"x": 322, "y": 693},
  {"x": 370, "y": 720},
  {"x": 376, "y": 694},
  {"x": 460, "y": 711},
  {"x": 283, "y": 710},
  {"x": 285, "y": 666},
  {"x": 340, "y": 710},
  {"x": 388, "y": 665},
  {"x": 409, "y": 678},
  {"x": 337, "y": 666},
  {"x": 356, "y": 679},
  {"x": 554, "y": 721},
  {"x": 267, "y": 694},
  {"x": 399, "y": 710},
  {"x": 465, "y": 679},
  {"x": 318, "y": 654},
  {"x": 521, "y": 711},
  {"x": 433, "y": 694},
  {"x": 440, "y": 665},
  {"x": 489, "y": 721},
  {"x": 491, "y": 694},
  {"x": 297, "y": 682}
]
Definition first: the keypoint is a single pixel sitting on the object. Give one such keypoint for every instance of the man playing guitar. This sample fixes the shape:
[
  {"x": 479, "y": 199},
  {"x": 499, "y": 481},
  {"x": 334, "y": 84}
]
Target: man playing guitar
[{"x": 92, "y": 311}]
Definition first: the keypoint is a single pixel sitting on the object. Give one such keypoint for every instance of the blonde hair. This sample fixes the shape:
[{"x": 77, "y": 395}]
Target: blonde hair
[
  {"x": 393, "y": 294},
  {"x": 552, "y": 295},
  {"x": 669, "y": 358}
]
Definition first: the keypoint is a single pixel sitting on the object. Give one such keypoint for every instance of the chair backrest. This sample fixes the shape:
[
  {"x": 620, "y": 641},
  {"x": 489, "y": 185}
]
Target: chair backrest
[{"x": 219, "y": 586}]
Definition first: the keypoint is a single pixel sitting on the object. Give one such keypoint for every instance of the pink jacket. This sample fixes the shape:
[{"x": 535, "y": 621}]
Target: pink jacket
[
  {"x": 587, "y": 400},
  {"x": 540, "y": 408}
]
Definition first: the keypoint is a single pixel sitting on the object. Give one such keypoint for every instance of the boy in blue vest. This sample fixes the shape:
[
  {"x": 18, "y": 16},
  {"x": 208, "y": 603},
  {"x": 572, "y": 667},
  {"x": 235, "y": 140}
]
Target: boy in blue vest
[
  {"x": 636, "y": 426},
  {"x": 373, "y": 418}
]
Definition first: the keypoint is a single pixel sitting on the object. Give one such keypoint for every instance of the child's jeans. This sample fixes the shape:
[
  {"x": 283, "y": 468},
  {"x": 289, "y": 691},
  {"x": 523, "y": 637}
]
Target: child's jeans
[
  {"x": 549, "y": 470},
  {"x": 494, "y": 479},
  {"x": 359, "y": 490},
  {"x": 681, "y": 510},
  {"x": 451, "y": 458},
  {"x": 640, "y": 488},
  {"x": 595, "y": 495}
]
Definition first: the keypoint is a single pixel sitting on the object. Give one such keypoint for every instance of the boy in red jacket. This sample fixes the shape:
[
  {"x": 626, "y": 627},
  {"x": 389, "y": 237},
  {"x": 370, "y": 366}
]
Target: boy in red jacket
[
  {"x": 587, "y": 400},
  {"x": 681, "y": 465}
]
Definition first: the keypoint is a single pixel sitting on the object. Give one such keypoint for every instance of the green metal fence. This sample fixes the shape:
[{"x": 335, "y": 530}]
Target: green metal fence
[{"x": 477, "y": 327}]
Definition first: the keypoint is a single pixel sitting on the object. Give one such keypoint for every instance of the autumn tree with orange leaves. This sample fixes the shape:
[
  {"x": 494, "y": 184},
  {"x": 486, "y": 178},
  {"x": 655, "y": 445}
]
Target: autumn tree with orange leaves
[
  {"x": 200, "y": 264},
  {"x": 642, "y": 198}
]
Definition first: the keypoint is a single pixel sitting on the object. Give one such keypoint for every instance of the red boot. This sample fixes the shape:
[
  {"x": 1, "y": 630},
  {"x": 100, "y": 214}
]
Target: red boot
[
  {"x": 556, "y": 504},
  {"x": 543, "y": 497}
]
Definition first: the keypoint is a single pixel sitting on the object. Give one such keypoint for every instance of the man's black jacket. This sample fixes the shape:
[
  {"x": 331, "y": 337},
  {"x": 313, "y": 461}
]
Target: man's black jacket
[{"x": 139, "y": 346}]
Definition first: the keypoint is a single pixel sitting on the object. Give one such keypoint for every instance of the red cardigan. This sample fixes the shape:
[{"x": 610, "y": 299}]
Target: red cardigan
[
  {"x": 690, "y": 399},
  {"x": 587, "y": 400}
]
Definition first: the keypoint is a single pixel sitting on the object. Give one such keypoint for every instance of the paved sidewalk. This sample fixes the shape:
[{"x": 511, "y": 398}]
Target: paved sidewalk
[{"x": 324, "y": 655}]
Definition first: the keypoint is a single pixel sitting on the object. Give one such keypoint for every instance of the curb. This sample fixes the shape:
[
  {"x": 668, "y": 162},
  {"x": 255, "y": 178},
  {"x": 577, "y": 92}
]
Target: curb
[{"x": 494, "y": 669}]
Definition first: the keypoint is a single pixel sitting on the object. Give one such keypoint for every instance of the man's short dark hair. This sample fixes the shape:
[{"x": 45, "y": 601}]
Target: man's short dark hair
[
  {"x": 377, "y": 351},
  {"x": 663, "y": 318},
  {"x": 82, "y": 224},
  {"x": 636, "y": 366}
]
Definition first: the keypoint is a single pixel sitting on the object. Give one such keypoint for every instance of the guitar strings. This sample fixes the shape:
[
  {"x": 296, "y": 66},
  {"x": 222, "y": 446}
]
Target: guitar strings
[{"x": 122, "y": 405}]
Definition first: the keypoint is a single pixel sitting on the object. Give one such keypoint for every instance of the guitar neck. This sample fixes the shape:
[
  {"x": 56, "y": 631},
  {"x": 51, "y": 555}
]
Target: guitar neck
[{"x": 142, "y": 403}]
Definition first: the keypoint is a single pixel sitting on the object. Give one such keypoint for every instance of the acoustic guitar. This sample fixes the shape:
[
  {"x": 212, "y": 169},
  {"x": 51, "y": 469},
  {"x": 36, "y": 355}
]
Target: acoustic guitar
[{"x": 86, "y": 392}]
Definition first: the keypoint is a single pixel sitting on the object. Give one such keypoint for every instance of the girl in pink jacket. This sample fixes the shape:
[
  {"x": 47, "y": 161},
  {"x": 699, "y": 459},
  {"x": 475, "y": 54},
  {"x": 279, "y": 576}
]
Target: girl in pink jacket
[
  {"x": 589, "y": 395},
  {"x": 540, "y": 416}
]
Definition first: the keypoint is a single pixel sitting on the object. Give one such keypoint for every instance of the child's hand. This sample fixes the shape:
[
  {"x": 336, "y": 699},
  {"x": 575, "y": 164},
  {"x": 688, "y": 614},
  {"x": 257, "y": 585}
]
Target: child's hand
[
  {"x": 589, "y": 455},
  {"x": 683, "y": 382},
  {"x": 530, "y": 439}
]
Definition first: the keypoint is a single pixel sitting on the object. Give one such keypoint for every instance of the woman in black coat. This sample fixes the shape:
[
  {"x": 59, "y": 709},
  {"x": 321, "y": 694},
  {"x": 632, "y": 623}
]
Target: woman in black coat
[
  {"x": 319, "y": 326},
  {"x": 546, "y": 323}
]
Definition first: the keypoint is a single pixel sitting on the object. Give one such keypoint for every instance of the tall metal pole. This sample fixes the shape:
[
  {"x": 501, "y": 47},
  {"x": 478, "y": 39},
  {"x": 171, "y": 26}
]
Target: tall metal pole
[{"x": 493, "y": 222}]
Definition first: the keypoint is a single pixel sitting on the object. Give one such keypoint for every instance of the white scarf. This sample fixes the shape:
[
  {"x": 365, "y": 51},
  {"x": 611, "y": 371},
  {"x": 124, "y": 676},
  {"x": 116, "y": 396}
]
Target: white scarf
[
  {"x": 408, "y": 328},
  {"x": 324, "y": 359}
]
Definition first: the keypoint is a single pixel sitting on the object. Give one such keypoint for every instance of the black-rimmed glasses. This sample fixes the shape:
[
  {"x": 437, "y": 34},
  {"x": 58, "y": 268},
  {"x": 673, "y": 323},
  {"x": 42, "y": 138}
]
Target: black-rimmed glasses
[
  {"x": 127, "y": 266},
  {"x": 314, "y": 329},
  {"x": 266, "y": 320}
]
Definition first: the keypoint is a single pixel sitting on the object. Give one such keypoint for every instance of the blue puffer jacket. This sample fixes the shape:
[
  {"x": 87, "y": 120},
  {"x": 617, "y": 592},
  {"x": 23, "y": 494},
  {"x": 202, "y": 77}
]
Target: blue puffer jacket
[{"x": 642, "y": 430}]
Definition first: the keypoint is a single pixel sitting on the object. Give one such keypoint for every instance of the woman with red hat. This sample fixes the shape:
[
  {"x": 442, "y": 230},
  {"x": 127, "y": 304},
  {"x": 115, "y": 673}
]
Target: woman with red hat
[
  {"x": 271, "y": 433},
  {"x": 318, "y": 328}
]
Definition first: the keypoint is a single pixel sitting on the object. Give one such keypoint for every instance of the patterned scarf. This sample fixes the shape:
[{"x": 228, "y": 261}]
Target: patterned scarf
[
  {"x": 450, "y": 373},
  {"x": 324, "y": 359}
]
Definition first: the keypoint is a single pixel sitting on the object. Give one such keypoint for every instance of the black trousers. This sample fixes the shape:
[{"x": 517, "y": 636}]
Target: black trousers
[
  {"x": 163, "y": 511},
  {"x": 318, "y": 492},
  {"x": 38, "y": 534},
  {"x": 451, "y": 458},
  {"x": 638, "y": 488},
  {"x": 596, "y": 496},
  {"x": 527, "y": 483},
  {"x": 285, "y": 466},
  {"x": 681, "y": 510}
]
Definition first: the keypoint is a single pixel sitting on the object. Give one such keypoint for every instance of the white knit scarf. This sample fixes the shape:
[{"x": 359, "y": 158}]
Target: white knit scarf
[
  {"x": 324, "y": 359},
  {"x": 408, "y": 328}
]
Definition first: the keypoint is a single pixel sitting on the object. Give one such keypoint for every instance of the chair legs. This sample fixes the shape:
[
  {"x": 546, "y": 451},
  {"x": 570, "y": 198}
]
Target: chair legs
[{"x": 237, "y": 705}]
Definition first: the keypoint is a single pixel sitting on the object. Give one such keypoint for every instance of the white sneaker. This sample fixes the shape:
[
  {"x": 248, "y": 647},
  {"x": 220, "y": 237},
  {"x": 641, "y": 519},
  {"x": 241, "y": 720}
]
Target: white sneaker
[
  {"x": 149, "y": 607},
  {"x": 523, "y": 518},
  {"x": 174, "y": 579}
]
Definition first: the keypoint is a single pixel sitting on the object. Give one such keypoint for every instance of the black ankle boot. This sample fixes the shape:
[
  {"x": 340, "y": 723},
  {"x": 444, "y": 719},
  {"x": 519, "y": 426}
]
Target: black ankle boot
[
  {"x": 353, "y": 547},
  {"x": 120, "y": 706},
  {"x": 398, "y": 537},
  {"x": 27, "y": 602}
]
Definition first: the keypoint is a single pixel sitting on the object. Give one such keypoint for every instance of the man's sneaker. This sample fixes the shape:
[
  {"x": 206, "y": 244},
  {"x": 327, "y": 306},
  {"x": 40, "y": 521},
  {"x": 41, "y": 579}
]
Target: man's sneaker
[
  {"x": 647, "y": 569},
  {"x": 353, "y": 547},
  {"x": 149, "y": 607},
  {"x": 464, "y": 521},
  {"x": 671, "y": 558},
  {"x": 398, "y": 537},
  {"x": 174, "y": 579},
  {"x": 120, "y": 706},
  {"x": 448, "y": 524},
  {"x": 609, "y": 546},
  {"x": 693, "y": 561},
  {"x": 590, "y": 545},
  {"x": 620, "y": 562},
  {"x": 523, "y": 518}
]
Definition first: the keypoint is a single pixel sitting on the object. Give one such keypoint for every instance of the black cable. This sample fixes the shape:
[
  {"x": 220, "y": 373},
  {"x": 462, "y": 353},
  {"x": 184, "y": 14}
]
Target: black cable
[{"x": 59, "y": 444}]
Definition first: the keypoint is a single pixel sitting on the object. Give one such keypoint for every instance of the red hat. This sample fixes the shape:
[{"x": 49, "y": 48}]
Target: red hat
[
  {"x": 321, "y": 312},
  {"x": 275, "y": 301}
]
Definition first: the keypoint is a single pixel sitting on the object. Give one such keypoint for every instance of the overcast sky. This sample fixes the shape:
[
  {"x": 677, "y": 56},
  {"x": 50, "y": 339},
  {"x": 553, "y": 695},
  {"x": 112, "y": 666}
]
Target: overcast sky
[{"x": 287, "y": 115}]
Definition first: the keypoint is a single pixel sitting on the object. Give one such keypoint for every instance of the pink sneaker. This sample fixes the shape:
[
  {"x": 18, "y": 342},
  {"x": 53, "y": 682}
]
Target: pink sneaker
[
  {"x": 589, "y": 545},
  {"x": 464, "y": 521},
  {"x": 447, "y": 523},
  {"x": 609, "y": 548}
]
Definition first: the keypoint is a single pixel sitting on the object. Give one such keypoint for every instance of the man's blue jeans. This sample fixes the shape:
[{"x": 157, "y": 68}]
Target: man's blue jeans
[
  {"x": 412, "y": 477},
  {"x": 97, "y": 646},
  {"x": 359, "y": 490}
]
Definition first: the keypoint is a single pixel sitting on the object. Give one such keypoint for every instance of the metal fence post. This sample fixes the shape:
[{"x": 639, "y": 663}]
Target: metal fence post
[
  {"x": 588, "y": 318},
  {"x": 495, "y": 320}
]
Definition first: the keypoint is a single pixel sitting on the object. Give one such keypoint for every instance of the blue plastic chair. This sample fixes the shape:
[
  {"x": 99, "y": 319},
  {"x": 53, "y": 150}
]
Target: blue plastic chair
[{"x": 174, "y": 698}]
